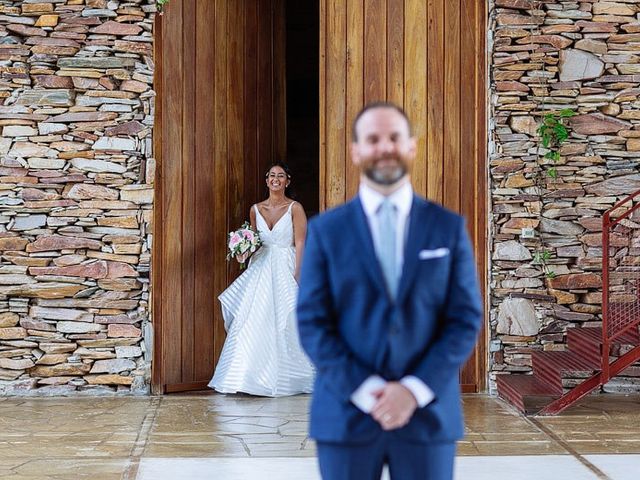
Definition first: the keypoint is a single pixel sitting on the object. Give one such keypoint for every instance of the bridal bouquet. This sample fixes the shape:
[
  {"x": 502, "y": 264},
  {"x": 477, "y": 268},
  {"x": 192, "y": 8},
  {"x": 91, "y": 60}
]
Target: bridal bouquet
[{"x": 243, "y": 240}]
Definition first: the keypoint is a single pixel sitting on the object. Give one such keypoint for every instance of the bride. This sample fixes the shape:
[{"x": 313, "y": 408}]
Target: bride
[{"x": 262, "y": 353}]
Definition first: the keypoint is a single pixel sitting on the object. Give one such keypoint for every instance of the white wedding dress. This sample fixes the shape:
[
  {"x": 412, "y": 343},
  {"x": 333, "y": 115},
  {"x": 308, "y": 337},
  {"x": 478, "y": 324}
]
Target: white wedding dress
[{"x": 262, "y": 354}]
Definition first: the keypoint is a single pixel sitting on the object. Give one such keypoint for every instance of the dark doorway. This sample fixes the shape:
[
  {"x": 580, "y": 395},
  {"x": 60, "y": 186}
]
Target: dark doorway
[{"x": 302, "y": 80}]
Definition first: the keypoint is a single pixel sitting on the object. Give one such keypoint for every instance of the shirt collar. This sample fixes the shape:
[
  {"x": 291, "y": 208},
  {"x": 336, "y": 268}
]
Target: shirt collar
[{"x": 402, "y": 199}]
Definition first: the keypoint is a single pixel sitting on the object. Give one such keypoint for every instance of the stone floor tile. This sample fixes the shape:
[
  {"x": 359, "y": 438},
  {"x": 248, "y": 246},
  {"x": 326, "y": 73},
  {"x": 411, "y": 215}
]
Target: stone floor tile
[
  {"x": 226, "y": 448},
  {"x": 502, "y": 448},
  {"x": 72, "y": 435},
  {"x": 606, "y": 447},
  {"x": 465, "y": 448},
  {"x": 64, "y": 469}
]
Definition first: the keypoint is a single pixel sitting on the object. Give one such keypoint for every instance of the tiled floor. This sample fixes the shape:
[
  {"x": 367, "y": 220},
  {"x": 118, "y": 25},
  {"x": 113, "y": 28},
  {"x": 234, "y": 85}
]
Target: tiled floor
[{"x": 214, "y": 436}]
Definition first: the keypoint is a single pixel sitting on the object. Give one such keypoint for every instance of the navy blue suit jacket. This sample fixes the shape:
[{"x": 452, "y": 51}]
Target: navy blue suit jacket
[{"x": 351, "y": 328}]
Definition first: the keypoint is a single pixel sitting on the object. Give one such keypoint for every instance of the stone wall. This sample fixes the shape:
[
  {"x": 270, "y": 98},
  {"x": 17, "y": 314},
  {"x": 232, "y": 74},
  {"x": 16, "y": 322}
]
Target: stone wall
[
  {"x": 545, "y": 56},
  {"x": 76, "y": 177}
]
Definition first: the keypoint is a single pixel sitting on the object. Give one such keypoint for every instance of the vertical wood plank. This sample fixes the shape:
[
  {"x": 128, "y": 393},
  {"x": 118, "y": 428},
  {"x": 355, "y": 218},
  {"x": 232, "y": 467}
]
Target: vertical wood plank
[
  {"x": 322, "y": 105},
  {"x": 205, "y": 252},
  {"x": 220, "y": 164},
  {"x": 480, "y": 9},
  {"x": 235, "y": 111},
  {"x": 468, "y": 146},
  {"x": 280, "y": 79},
  {"x": 266, "y": 134},
  {"x": 435, "y": 92},
  {"x": 354, "y": 86},
  {"x": 375, "y": 50},
  {"x": 451, "y": 102},
  {"x": 395, "y": 51},
  {"x": 158, "y": 232},
  {"x": 335, "y": 102},
  {"x": 188, "y": 189},
  {"x": 468, "y": 182},
  {"x": 415, "y": 84},
  {"x": 252, "y": 186},
  {"x": 172, "y": 208},
  {"x": 473, "y": 159}
]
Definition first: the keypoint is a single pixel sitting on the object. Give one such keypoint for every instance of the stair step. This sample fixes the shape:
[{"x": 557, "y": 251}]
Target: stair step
[
  {"x": 552, "y": 367},
  {"x": 587, "y": 340},
  {"x": 566, "y": 361},
  {"x": 523, "y": 390},
  {"x": 531, "y": 393},
  {"x": 594, "y": 334}
]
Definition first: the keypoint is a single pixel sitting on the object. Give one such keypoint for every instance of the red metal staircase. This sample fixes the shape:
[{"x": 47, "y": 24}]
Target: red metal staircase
[{"x": 595, "y": 354}]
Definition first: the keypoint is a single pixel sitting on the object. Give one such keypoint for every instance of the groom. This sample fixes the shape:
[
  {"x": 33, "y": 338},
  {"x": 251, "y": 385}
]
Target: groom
[{"x": 388, "y": 311}]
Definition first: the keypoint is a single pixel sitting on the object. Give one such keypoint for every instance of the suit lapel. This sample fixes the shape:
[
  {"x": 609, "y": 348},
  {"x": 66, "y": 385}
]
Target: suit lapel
[
  {"x": 364, "y": 243},
  {"x": 418, "y": 229}
]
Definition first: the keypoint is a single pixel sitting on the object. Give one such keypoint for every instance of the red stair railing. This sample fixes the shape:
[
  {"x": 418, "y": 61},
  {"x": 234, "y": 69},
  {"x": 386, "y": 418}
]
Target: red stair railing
[
  {"x": 620, "y": 299},
  {"x": 620, "y": 281}
]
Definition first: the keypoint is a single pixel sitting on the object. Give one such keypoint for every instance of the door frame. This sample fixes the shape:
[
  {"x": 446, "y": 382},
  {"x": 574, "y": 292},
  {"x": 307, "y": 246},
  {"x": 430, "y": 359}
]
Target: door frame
[{"x": 480, "y": 235}]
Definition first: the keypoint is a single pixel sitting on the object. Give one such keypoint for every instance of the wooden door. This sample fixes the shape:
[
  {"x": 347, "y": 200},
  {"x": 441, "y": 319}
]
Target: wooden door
[
  {"x": 429, "y": 57},
  {"x": 220, "y": 121}
]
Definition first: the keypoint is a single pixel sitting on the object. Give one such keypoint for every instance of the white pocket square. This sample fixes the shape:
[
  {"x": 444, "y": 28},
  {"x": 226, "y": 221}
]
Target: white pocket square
[{"x": 437, "y": 253}]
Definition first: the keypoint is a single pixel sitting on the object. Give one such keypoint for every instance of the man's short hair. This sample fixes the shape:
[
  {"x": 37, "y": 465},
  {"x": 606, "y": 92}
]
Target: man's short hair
[{"x": 371, "y": 106}]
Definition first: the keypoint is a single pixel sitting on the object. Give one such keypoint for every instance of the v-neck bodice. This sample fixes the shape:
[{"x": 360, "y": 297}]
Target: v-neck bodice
[{"x": 281, "y": 234}]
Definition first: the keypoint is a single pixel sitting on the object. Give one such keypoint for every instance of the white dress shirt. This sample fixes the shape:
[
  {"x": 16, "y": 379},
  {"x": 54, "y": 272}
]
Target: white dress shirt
[{"x": 402, "y": 200}]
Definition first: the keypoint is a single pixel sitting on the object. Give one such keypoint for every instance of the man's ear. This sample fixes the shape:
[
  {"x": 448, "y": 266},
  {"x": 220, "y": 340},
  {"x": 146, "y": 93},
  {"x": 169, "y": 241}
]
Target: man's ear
[
  {"x": 413, "y": 146},
  {"x": 355, "y": 157}
]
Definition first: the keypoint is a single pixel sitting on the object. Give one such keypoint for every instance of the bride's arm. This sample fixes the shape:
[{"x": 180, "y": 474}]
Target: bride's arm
[
  {"x": 252, "y": 217},
  {"x": 299, "y": 234}
]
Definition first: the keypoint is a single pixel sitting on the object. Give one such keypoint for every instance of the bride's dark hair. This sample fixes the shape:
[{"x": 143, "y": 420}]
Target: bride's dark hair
[{"x": 288, "y": 191}]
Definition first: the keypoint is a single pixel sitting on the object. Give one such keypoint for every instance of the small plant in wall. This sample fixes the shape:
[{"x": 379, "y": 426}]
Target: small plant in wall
[
  {"x": 541, "y": 257},
  {"x": 553, "y": 132},
  {"x": 160, "y": 4}
]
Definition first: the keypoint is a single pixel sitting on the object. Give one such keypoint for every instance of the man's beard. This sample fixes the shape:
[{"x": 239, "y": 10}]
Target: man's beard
[{"x": 386, "y": 176}]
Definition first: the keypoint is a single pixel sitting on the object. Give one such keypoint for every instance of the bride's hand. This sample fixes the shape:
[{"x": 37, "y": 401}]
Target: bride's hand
[{"x": 242, "y": 258}]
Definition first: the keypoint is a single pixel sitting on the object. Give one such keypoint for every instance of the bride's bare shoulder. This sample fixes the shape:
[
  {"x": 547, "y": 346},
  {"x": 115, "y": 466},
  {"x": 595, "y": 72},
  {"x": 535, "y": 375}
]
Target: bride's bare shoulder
[{"x": 297, "y": 207}]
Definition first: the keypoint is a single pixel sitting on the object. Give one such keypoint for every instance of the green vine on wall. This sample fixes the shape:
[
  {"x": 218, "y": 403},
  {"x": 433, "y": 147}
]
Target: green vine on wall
[{"x": 553, "y": 132}]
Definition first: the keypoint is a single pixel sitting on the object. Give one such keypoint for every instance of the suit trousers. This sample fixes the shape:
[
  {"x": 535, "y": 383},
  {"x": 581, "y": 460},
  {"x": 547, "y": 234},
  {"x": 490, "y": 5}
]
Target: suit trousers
[{"x": 406, "y": 460}]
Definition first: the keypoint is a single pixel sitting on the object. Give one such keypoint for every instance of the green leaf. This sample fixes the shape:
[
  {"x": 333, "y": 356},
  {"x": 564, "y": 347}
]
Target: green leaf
[
  {"x": 552, "y": 172},
  {"x": 567, "y": 112},
  {"x": 552, "y": 155}
]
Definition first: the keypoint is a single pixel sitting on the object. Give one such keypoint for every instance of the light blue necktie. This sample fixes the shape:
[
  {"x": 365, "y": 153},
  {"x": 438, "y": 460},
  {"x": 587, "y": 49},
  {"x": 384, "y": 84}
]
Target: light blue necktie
[{"x": 387, "y": 244}]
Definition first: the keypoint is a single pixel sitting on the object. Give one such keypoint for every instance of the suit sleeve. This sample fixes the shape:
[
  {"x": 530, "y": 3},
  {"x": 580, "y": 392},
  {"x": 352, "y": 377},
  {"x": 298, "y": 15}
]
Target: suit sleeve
[
  {"x": 461, "y": 320},
  {"x": 317, "y": 324}
]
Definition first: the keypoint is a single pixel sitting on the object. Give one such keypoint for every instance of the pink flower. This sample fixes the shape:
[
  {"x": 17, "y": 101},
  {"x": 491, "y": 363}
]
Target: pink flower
[
  {"x": 248, "y": 234},
  {"x": 234, "y": 240}
]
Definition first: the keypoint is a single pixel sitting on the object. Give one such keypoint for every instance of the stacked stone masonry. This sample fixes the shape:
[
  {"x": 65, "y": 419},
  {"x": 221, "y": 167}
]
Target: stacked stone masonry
[
  {"x": 76, "y": 193},
  {"x": 547, "y": 56}
]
